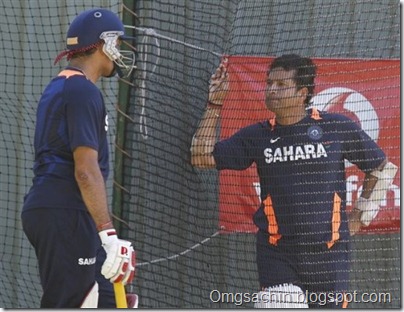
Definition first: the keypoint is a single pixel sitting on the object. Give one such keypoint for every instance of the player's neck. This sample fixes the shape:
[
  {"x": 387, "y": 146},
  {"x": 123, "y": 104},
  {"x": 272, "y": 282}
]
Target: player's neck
[
  {"x": 86, "y": 68},
  {"x": 291, "y": 117},
  {"x": 70, "y": 66}
]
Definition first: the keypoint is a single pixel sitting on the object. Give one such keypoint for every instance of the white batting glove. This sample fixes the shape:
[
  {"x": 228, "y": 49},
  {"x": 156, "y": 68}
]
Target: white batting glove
[
  {"x": 369, "y": 210},
  {"x": 119, "y": 266}
]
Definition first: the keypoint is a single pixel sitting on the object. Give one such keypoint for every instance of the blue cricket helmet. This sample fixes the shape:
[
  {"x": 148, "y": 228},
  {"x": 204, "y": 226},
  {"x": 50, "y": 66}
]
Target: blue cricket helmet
[
  {"x": 93, "y": 27},
  {"x": 86, "y": 28}
]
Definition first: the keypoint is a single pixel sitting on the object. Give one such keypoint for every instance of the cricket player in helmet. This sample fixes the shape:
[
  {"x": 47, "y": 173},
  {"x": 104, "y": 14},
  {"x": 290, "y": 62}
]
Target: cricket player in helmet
[{"x": 65, "y": 214}]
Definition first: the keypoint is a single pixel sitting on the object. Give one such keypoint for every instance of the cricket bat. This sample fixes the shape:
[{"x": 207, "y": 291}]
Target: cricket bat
[{"x": 120, "y": 296}]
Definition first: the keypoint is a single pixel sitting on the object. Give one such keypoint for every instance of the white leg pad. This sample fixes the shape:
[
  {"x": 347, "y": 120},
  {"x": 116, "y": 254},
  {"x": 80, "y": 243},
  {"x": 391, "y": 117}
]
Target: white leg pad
[
  {"x": 91, "y": 300},
  {"x": 286, "y": 296}
]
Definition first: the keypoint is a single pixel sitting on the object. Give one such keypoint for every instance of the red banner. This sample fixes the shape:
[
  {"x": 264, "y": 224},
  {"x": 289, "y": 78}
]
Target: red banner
[{"x": 367, "y": 91}]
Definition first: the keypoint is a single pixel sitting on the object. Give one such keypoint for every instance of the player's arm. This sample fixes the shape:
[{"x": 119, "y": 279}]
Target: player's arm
[
  {"x": 375, "y": 187},
  {"x": 92, "y": 186},
  {"x": 204, "y": 138},
  {"x": 120, "y": 261}
]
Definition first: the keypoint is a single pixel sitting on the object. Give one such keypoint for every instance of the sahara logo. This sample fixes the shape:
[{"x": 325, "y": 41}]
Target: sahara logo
[
  {"x": 294, "y": 153},
  {"x": 86, "y": 261}
]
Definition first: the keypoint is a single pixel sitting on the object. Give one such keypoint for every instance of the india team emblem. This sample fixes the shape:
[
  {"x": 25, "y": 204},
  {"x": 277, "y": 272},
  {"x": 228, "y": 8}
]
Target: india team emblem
[{"x": 315, "y": 132}]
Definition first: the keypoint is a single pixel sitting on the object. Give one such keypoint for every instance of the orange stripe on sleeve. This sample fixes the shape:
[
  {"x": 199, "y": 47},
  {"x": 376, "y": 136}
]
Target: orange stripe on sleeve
[
  {"x": 273, "y": 228},
  {"x": 335, "y": 221}
]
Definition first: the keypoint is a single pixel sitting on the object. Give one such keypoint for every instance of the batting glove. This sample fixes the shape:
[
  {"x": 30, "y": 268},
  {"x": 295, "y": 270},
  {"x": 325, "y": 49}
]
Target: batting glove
[
  {"x": 119, "y": 266},
  {"x": 369, "y": 210}
]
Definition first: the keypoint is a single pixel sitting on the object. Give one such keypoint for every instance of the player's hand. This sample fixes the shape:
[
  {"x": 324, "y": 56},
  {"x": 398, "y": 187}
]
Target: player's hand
[
  {"x": 354, "y": 221},
  {"x": 219, "y": 84},
  {"x": 119, "y": 266}
]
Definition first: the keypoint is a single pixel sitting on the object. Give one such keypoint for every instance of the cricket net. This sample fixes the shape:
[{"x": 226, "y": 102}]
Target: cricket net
[{"x": 192, "y": 228}]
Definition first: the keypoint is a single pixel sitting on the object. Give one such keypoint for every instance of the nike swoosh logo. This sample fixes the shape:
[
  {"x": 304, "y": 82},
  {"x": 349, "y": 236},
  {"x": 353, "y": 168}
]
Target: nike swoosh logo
[{"x": 274, "y": 140}]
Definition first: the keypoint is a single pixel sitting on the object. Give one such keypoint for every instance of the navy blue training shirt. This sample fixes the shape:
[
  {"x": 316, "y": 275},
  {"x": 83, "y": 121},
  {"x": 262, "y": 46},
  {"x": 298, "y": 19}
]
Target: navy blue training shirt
[
  {"x": 71, "y": 113},
  {"x": 302, "y": 173}
]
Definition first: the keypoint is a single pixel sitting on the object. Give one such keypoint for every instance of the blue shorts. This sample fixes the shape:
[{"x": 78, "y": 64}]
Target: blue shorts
[
  {"x": 316, "y": 269},
  {"x": 69, "y": 256}
]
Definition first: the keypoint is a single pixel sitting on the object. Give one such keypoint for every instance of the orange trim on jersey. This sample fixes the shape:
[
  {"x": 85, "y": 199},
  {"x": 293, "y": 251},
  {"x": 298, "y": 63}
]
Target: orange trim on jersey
[
  {"x": 272, "y": 122},
  {"x": 315, "y": 114},
  {"x": 273, "y": 228},
  {"x": 69, "y": 73},
  {"x": 335, "y": 221}
]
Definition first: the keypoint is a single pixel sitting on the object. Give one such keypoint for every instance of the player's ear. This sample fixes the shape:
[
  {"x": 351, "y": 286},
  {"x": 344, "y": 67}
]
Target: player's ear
[{"x": 303, "y": 92}]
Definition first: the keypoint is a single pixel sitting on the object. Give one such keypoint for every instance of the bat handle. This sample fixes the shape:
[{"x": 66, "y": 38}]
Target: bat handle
[{"x": 120, "y": 296}]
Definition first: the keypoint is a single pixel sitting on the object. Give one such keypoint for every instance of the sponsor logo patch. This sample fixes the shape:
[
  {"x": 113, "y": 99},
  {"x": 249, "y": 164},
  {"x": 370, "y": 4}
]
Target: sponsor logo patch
[{"x": 294, "y": 153}]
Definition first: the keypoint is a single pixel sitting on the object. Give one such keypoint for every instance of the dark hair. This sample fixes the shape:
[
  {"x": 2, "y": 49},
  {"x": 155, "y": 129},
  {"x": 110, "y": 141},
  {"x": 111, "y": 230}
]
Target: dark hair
[
  {"x": 305, "y": 71},
  {"x": 72, "y": 54},
  {"x": 86, "y": 51}
]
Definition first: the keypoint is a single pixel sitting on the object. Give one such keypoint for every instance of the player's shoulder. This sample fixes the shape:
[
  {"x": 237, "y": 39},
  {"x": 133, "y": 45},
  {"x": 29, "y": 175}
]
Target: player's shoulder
[
  {"x": 79, "y": 87},
  {"x": 79, "y": 82},
  {"x": 257, "y": 127},
  {"x": 335, "y": 120},
  {"x": 328, "y": 116},
  {"x": 254, "y": 130}
]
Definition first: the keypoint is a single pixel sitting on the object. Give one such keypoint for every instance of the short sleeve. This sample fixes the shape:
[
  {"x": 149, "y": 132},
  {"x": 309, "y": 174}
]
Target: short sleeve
[
  {"x": 85, "y": 115},
  {"x": 359, "y": 148},
  {"x": 236, "y": 152}
]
